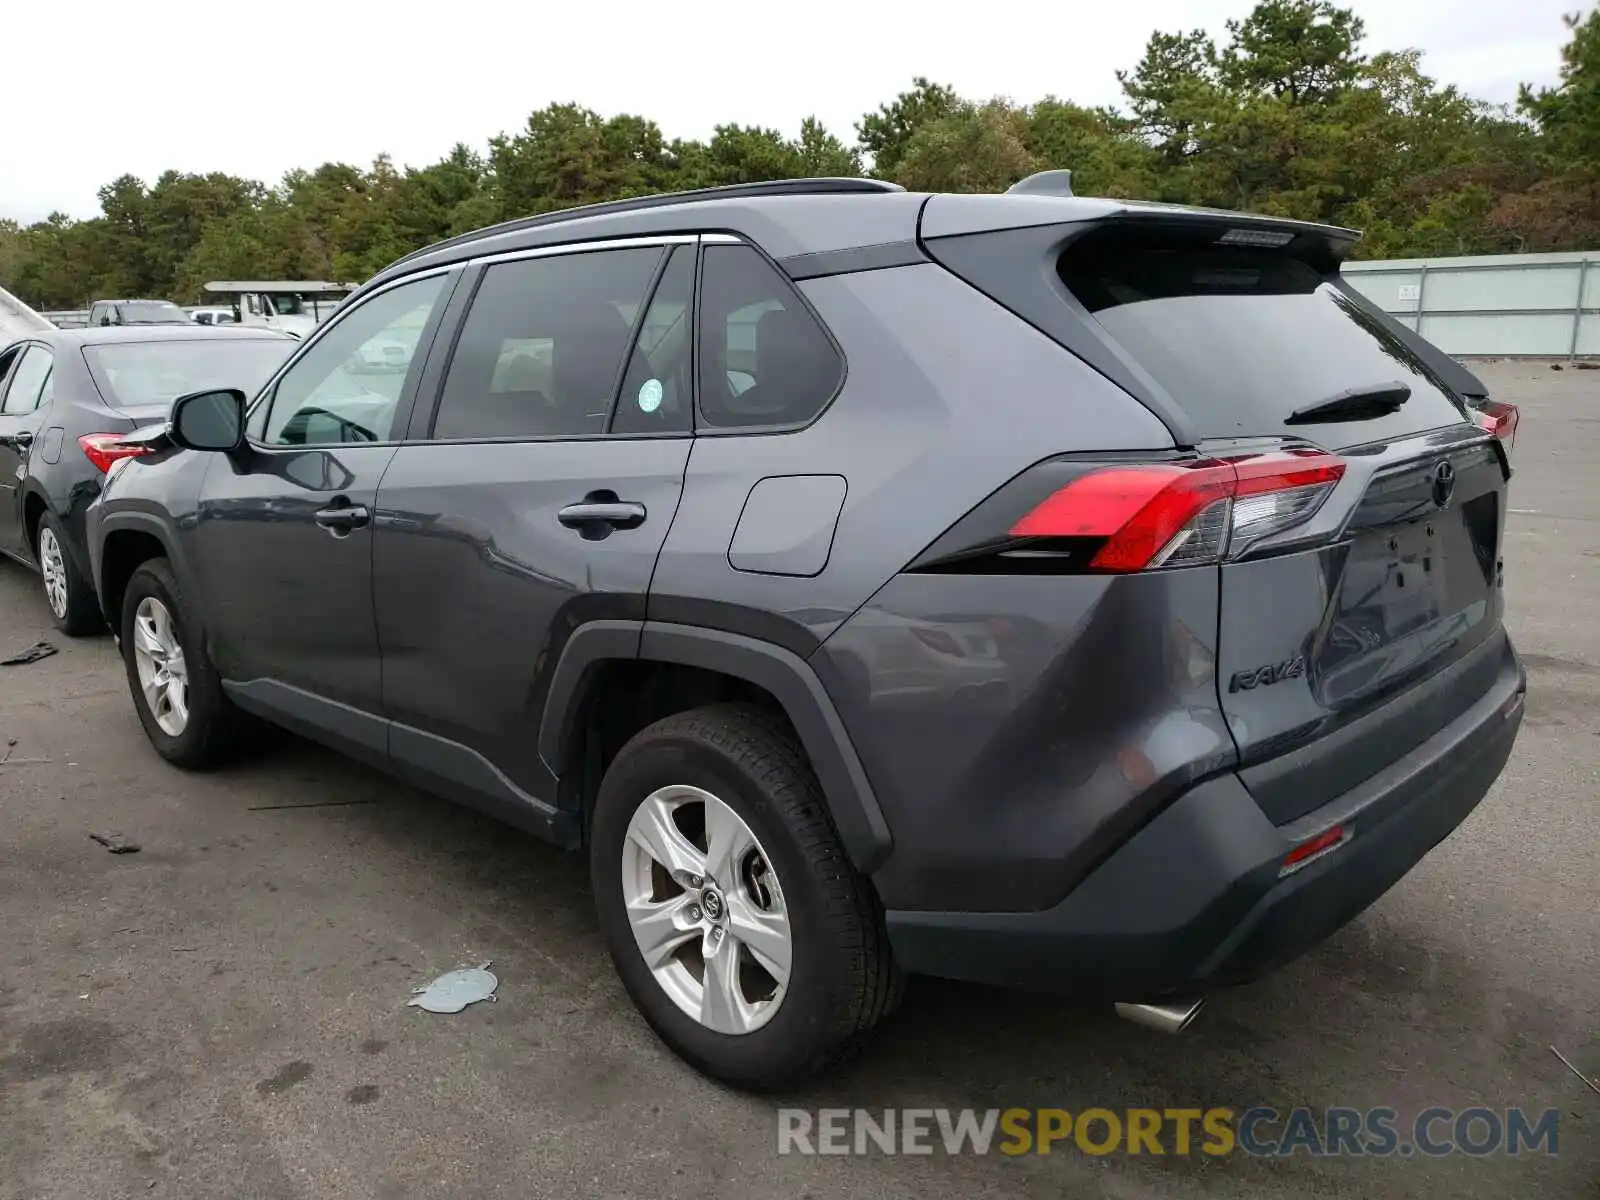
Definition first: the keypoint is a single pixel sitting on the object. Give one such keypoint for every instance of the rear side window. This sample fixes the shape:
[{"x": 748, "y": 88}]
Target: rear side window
[
  {"x": 30, "y": 382},
  {"x": 541, "y": 349},
  {"x": 1242, "y": 337},
  {"x": 658, "y": 390},
  {"x": 764, "y": 360}
]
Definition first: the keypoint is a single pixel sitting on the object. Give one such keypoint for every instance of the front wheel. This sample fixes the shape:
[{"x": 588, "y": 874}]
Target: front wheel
[
  {"x": 176, "y": 690},
  {"x": 738, "y": 926},
  {"x": 72, "y": 601}
]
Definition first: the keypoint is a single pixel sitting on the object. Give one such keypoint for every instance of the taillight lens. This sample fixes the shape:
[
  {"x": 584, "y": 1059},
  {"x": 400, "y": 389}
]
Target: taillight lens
[
  {"x": 103, "y": 449},
  {"x": 1182, "y": 514},
  {"x": 1499, "y": 419}
]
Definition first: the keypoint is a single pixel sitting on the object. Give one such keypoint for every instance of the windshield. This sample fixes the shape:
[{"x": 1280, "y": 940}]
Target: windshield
[
  {"x": 135, "y": 374},
  {"x": 1242, "y": 337},
  {"x": 153, "y": 312}
]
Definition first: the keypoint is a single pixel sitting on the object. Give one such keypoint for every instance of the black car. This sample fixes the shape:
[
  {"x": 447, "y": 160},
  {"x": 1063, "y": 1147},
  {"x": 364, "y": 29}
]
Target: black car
[
  {"x": 66, "y": 399},
  {"x": 1030, "y": 589}
]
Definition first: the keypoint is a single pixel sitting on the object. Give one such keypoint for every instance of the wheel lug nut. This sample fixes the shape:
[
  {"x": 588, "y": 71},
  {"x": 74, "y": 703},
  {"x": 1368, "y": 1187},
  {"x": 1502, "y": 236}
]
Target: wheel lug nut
[{"x": 694, "y": 912}]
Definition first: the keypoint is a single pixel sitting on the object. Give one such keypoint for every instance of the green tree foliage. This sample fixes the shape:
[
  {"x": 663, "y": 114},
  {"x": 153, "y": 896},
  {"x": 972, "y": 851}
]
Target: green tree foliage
[{"x": 1284, "y": 114}]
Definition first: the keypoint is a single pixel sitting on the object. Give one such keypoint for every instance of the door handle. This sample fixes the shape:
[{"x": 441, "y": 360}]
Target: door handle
[
  {"x": 618, "y": 514},
  {"x": 340, "y": 520},
  {"x": 20, "y": 440}
]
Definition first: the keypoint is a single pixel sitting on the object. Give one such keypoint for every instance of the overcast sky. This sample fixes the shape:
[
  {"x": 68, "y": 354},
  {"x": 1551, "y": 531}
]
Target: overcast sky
[{"x": 257, "y": 88}]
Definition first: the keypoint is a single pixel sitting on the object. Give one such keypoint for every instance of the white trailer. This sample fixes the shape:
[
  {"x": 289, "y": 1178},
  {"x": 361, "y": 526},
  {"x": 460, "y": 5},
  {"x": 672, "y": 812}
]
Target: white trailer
[{"x": 295, "y": 306}]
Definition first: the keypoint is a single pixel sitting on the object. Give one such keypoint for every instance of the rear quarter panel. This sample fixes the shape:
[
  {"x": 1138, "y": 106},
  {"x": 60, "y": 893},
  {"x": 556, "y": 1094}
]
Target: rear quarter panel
[{"x": 946, "y": 397}]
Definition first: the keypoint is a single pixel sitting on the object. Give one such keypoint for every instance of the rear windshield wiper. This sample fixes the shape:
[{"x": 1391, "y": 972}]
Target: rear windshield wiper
[{"x": 1354, "y": 404}]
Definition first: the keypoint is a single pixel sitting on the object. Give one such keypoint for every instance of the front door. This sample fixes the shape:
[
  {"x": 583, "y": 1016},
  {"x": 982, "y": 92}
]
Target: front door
[
  {"x": 25, "y": 395},
  {"x": 282, "y": 545},
  {"x": 537, "y": 497}
]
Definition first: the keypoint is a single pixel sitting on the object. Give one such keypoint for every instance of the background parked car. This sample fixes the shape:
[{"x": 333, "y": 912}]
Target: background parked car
[
  {"x": 213, "y": 316},
  {"x": 66, "y": 397},
  {"x": 136, "y": 312}
]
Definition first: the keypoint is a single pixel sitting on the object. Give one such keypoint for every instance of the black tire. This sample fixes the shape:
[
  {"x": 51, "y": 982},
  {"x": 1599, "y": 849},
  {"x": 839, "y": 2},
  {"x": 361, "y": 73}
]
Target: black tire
[
  {"x": 216, "y": 729},
  {"x": 82, "y": 614},
  {"x": 842, "y": 980}
]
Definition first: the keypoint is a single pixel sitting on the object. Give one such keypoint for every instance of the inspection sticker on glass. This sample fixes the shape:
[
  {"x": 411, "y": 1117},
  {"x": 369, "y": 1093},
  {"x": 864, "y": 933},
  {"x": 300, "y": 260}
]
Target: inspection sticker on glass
[{"x": 650, "y": 395}]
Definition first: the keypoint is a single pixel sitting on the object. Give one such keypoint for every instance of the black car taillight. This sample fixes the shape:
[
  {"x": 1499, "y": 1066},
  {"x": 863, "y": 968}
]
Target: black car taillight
[
  {"x": 103, "y": 449},
  {"x": 1138, "y": 517},
  {"x": 1498, "y": 418}
]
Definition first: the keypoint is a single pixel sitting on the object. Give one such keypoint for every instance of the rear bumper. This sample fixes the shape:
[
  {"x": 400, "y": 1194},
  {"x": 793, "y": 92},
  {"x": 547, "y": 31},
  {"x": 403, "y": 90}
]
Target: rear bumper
[{"x": 1195, "y": 900}]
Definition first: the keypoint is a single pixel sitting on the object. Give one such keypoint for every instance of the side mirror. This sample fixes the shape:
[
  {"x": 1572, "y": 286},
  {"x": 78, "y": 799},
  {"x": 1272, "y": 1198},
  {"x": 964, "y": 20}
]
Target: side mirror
[{"x": 208, "y": 420}]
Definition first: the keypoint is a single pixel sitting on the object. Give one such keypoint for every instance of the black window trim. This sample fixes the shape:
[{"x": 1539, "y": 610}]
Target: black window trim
[
  {"x": 410, "y": 390},
  {"x": 704, "y": 429},
  {"x": 427, "y": 405}
]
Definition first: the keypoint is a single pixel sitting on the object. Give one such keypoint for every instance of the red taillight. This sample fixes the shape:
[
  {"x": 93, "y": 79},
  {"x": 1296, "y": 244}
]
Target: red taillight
[
  {"x": 1179, "y": 514},
  {"x": 1315, "y": 847},
  {"x": 103, "y": 449},
  {"x": 1499, "y": 419}
]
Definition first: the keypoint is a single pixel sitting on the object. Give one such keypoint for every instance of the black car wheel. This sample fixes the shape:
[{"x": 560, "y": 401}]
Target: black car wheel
[
  {"x": 72, "y": 601},
  {"x": 176, "y": 689},
  {"x": 739, "y": 927}
]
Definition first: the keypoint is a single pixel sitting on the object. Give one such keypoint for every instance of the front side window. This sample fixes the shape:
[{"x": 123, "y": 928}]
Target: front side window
[
  {"x": 346, "y": 387},
  {"x": 764, "y": 360},
  {"x": 29, "y": 382},
  {"x": 542, "y": 345}
]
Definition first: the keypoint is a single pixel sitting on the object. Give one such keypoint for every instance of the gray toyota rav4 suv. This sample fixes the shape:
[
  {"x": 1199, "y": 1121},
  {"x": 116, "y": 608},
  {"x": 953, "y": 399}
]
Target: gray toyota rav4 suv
[{"x": 1030, "y": 588}]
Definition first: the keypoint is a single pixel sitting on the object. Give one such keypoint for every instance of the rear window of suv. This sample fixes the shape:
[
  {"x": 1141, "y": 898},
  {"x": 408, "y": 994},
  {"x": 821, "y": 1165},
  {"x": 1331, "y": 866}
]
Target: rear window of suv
[{"x": 1240, "y": 337}]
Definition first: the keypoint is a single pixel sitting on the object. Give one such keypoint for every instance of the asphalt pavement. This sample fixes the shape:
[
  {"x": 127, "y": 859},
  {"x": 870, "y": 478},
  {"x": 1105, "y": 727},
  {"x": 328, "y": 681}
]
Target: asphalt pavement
[{"x": 223, "y": 1013}]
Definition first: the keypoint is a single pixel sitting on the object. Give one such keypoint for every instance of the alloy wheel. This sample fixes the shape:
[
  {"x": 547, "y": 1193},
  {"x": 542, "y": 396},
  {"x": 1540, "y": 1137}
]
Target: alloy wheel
[
  {"x": 54, "y": 569},
  {"x": 158, "y": 658},
  {"x": 706, "y": 909}
]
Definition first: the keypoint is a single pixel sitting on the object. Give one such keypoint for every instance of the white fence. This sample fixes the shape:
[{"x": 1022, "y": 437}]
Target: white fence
[{"x": 1495, "y": 305}]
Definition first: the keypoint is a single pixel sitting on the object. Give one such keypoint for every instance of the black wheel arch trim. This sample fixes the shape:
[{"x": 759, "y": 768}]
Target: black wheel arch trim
[
  {"x": 788, "y": 677},
  {"x": 134, "y": 522}
]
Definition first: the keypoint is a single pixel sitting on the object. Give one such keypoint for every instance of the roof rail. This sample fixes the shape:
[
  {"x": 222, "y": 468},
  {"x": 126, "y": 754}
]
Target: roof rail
[{"x": 821, "y": 186}]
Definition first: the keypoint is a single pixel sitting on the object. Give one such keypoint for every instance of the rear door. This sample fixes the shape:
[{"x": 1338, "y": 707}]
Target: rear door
[
  {"x": 26, "y": 393},
  {"x": 1359, "y": 549},
  {"x": 534, "y": 497}
]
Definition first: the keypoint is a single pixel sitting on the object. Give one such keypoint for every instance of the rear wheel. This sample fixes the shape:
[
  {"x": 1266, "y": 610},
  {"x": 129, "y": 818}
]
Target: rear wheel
[
  {"x": 176, "y": 690},
  {"x": 740, "y": 929},
  {"x": 72, "y": 601}
]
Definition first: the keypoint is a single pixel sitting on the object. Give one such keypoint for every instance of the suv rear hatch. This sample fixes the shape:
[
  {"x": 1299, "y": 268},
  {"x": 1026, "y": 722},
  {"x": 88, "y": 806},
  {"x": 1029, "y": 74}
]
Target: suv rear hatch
[{"x": 1336, "y": 472}]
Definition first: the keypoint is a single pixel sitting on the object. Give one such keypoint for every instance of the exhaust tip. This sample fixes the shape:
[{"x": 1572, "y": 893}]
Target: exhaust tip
[{"x": 1164, "y": 1018}]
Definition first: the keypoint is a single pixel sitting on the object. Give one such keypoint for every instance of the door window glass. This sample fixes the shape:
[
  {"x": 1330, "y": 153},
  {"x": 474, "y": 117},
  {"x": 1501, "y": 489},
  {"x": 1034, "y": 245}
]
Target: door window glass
[
  {"x": 658, "y": 391},
  {"x": 346, "y": 387},
  {"x": 764, "y": 360},
  {"x": 29, "y": 382},
  {"x": 542, "y": 345}
]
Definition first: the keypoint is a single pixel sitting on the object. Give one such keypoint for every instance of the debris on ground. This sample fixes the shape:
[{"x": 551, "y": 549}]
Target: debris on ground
[
  {"x": 454, "y": 990},
  {"x": 1593, "y": 1086},
  {"x": 32, "y": 654},
  {"x": 116, "y": 843}
]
